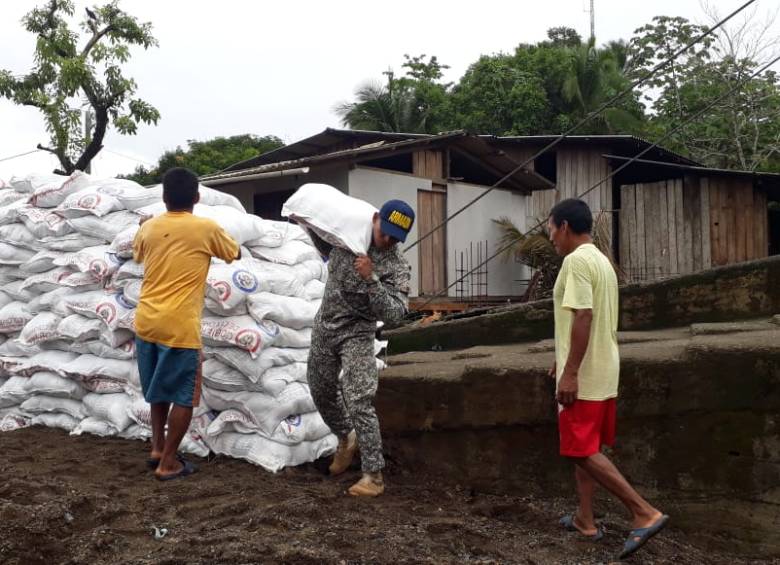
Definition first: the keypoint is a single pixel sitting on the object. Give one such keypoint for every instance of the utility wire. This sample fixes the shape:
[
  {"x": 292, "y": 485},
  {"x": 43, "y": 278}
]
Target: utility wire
[
  {"x": 19, "y": 155},
  {"x": 587, "y": 118}
]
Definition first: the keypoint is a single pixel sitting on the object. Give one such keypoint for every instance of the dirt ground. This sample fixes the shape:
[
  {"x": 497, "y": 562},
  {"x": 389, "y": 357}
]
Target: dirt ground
[{"x": 91, "y": 500}]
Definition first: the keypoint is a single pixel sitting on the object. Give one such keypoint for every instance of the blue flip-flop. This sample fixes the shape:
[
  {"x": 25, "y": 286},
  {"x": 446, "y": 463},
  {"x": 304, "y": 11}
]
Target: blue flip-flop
[
  {"x": 640, "y": 536},
  {"x": 567, "y": 522},
  {"x": 153, "y": 463},
  {"x": 186, "y": 470}
]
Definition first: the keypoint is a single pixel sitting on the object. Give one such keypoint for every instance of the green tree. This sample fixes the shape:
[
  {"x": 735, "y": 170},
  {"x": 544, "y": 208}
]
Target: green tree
[
  {"x": 70, "y": 75},
  {"x": 743, "y": 130},
  {"x": 563, "y": 36},
  {"x": 497, "y": 97},
  {"x": 594, "y": 78},
  {"x": 416, "y": 102},
  {"x": 546, "y": 88},
  {"x": 204, "y": 157}
]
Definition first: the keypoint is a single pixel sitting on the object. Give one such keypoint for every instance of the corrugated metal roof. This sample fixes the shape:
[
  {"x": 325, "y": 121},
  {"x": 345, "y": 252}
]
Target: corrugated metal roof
[
  {"x": 499, "y": 163},
  {"x": 770, "y": 181},
  {"x": 623, "y": 139}
]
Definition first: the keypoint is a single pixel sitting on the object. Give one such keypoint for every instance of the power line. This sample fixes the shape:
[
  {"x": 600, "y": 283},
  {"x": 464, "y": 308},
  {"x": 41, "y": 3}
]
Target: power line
[
  {"x": 613, "y": 173},
  {"x": 129, "y": 157},
  {"x": 586, "y": 119},
  {"x": 19, "y": 155}
]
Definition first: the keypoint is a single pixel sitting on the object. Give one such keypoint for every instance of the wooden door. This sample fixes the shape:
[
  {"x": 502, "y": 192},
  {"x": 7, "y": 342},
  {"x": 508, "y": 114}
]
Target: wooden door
[{"x": 431, "y": 212}]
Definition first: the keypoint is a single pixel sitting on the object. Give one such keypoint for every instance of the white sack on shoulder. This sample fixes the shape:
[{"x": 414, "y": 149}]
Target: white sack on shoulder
[{"x": 339, "y": 219}]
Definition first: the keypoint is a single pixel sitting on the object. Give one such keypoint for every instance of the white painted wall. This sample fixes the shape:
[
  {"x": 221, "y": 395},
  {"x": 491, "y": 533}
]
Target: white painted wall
[
  {"x": 475, "y": 225},
  {"x": 377, "y": 187}
]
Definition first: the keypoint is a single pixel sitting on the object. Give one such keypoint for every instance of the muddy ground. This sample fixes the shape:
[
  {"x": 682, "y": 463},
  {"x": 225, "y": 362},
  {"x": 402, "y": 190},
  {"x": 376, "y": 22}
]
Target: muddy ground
[{"x": 90, "y": 500}]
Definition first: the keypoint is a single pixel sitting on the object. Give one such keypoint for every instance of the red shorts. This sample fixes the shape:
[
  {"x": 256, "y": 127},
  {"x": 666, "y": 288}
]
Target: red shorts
[{"x": 585, "y": 426}]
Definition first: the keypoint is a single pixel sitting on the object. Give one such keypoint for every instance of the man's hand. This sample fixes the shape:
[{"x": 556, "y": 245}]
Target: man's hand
[
  {"x": 364, "y": 266},
  {"x": 567, "y": 388},
  {"x": 144, "y": 218}
]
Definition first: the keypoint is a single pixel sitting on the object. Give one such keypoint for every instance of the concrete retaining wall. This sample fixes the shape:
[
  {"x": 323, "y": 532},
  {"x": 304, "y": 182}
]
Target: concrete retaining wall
[{"x": 727, "y": 293}]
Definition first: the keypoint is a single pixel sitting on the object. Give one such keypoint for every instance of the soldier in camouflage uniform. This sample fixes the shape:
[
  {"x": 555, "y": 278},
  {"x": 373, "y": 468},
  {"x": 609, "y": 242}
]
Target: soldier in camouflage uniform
[{"x": 361, "y": 290}]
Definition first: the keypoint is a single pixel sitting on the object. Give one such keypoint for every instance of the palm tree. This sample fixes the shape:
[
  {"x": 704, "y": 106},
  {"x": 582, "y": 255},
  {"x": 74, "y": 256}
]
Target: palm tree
[
  {"x": 378, "y": 107},
  {"x": 596, "y": 76},
  {"x": 536, "y": 251}
]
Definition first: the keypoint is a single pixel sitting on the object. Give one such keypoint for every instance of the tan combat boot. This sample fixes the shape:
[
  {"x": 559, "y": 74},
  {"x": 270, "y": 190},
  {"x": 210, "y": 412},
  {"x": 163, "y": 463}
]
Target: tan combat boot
[
  {"x": 371, "y": 484},
  {"x": 344, "y": 454}
]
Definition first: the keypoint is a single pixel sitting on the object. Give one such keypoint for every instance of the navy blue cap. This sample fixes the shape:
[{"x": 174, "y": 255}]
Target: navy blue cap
[{"x": 397, "y": 219}]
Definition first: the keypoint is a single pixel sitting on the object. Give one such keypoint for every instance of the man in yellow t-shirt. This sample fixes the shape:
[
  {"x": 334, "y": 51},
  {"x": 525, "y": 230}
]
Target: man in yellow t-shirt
[
  {"x": 587, "y": 365},
  {"x": 175, "y": 250}
]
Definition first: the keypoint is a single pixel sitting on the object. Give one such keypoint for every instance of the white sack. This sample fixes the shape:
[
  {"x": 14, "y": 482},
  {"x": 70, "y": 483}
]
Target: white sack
[
  {"x": 288, "y": 311},
  {"x": 52, "y": 384},
  {"x": 270, "y": 455},
  {"x": 13, "y": 317},
  {"x": 52, "y": 194},
  {"x": 31, "y": 183},
  {"x": 43, "y": 327},
  {"x": 79, "y": 328},
  {"x": 112, "y": 408},
  {"x": 238, "y": 331},
  {"x": 265, "y": 411},
  {"x": 290, "y": 253},
  {"x": 69, "y": 242},
  {"x": 55, "y": 420},
  {"x": 43, "y": 223},
  {"x": 13, "y": 255},
  {"x": 88, "y": 201},
  {"x": 40, "y": 404},
  {"x": 104, "y": 228},
  {"x": 339, "y": 219}
]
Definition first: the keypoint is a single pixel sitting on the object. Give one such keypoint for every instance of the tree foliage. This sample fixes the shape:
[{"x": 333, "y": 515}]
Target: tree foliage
[
  {"x": 71, "y": 73},
  {"x": 415, "y": 102},
  {"x": 743, "y": 130},
  {"x": 204, "y": 157},
  {"x": 540, "y": 88}
]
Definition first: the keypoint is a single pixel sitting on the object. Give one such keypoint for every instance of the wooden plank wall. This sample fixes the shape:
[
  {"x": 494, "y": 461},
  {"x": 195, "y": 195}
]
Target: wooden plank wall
[
  {"x": 431, "y": 212},
  {"x": 664, "y": 229},
  {"x": 428, "y": 164},
  {"x": 738, "y": 220},
  {"x": 578, "y": 169}
]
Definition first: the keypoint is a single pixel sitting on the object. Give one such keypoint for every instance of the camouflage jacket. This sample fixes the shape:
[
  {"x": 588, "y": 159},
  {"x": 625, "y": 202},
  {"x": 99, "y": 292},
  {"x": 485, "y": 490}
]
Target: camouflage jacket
[{"x": 352, "y": 305}]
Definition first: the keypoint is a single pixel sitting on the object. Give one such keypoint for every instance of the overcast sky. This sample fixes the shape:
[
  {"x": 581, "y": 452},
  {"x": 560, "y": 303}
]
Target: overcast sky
[{"x": 233, "y": 67}]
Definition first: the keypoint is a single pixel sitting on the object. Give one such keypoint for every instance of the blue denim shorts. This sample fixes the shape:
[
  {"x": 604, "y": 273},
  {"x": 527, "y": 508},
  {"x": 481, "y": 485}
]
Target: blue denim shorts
[{"x": 169, "y": 374}]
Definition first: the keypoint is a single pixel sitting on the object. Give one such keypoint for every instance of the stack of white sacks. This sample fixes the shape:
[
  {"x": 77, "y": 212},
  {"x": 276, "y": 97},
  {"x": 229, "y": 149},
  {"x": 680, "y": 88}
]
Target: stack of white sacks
[{"x": 68, "y": 291}]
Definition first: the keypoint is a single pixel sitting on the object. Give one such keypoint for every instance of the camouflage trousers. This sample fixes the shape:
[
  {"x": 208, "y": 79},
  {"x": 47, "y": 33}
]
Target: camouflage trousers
[{"x": 347, "y": 403}]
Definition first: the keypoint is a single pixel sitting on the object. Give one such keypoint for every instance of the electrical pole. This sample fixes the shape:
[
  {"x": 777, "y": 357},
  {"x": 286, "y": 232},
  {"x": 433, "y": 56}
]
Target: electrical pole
[{"x": 592, "y": 20}]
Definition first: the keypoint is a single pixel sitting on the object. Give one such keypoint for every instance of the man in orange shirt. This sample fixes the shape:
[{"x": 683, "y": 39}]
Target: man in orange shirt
[{"x": 175, "y": 250}]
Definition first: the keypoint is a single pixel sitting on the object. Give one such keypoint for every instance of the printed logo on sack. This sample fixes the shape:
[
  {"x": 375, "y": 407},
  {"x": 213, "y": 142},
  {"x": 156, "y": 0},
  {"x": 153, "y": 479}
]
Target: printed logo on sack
[
  {"x": 53, "y": 220},
  {"x": 98, "y": 267},
  {"x": 222, "y": 288},
  {"x": 245, "y": 281},
  {"x": 110, "y": 190},
  {"x": 293, "y": 421},
  {"x": 120, "y": 298},
  {"x": 249, "y": 340},
  {"x": 106, "y": 311},
  {"x": 89, "y": 201}
]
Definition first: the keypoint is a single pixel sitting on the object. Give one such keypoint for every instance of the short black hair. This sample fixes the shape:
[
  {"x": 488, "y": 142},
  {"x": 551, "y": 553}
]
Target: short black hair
[
  {"x": 180, "y": 188},
  {"x": 574, "y": 212}
]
